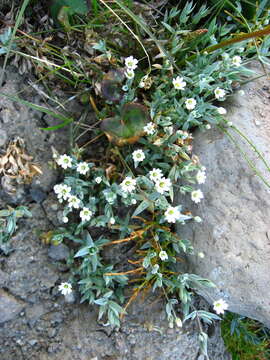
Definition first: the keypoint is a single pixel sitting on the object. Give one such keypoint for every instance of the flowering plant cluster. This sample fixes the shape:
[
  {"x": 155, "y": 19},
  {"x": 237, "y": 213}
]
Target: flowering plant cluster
[{"x": 142, "y": 200}]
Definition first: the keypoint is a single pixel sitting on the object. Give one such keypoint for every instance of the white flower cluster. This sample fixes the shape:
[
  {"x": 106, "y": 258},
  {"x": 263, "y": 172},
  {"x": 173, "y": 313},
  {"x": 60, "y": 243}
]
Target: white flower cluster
[
  {"x": 131, "y": 65},
  {"x": 162, "y": 184},
  {"x": 65, "y": 162}
]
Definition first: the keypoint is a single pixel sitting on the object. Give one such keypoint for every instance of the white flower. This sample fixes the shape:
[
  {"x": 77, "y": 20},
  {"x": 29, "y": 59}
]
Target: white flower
[
  {"x": 150, "y": 128},
  {"x": 98, "y": 179},
  {"x": 172, "y": 214},
  {"x": 241, "y": 92},
  {"x": 208, "y": 126},
  {"x": 163, "y": 255},
  {"x": 163, "y": 185},
  {"x": 128, "y": 184},
  {"x": 236, "y": 61},
  {"x": 179, "y": 83},
  {"x": 221, "y": 110},
  {"x": 131, "y": 63},
  {"x": 229, "y": 123},
  {"x": 129, "y": 74},
  {"x": 85, "y": 214},
  {"x": 73, "y": 201},
  {"x": 219, "y": 93},
  {"x": 190, "y": 103},
  {"x": 65, "y": 288},
  {"x": 155, "y": 269},
  {"x": 82, "y": 168},
  {"x": 203, "y": 168},
  {"x": 220, "y": 306},
  {"x": 62, "y": 191},
  {"x": 65, "y": 161},
  {"x": 178, "y": 322},
  {"x": 57, "y": 188},
  {"x": 112, "y": 220},
  {"x": 200, "y": 177},
  {"x": 138, "y": 155},
  {"x": 198, "y": 219},
  {"x": 201, "y": 255},
  {"x": 196, "y": 196},
  {"x": 155, "y": 174},
  {"x": 133, "y": 201},
  {"x": 65, "y": 219}
]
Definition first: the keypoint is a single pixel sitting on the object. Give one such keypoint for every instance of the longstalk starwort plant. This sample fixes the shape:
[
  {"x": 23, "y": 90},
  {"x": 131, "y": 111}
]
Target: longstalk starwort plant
[{"x": 148, "y": 117}]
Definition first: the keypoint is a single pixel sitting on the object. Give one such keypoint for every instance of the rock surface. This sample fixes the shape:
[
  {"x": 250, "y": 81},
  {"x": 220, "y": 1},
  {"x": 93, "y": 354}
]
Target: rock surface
[
  {"x": 58, "y": 252},
  {"x": 9, "y": 306},
  {"x": 235, "y": 232}
]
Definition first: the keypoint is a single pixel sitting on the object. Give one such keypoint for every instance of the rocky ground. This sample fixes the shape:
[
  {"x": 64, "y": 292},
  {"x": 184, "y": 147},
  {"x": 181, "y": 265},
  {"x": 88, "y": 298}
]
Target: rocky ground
[{"x": 35, "y": 321}]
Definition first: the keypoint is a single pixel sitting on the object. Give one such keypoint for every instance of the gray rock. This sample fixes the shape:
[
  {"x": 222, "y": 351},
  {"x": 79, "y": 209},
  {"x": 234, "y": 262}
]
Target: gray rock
[
  {"x": 144, "y": 335},
  {"x": 3, "y": 278},
  {"x": 58, "y": 252},
  {"x": 9, "y": 306},
  {"x": 235, "y": 232},
  {"x": 3, "y": 137},
  {"x": 32, "y": 342}
]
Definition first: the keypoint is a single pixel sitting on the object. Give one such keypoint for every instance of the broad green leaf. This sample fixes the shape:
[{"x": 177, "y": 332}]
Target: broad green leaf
[{"x": 82, "y": 252}]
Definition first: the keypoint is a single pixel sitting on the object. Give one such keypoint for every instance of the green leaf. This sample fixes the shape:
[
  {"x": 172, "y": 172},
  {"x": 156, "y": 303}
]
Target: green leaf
[
  {"x": 88, "y": 239},
  {"x": 168, "y": 27},
  {"x": 4, "y": 213},
  {"x": 11, "y": 225},
  {"x": 113, "y": 318},
  {"x": 83, "y": 251},
  {"x": 102, "y": 301},
  {"x": 143, "y": 205},
  {"x": 117, "y": 309}
]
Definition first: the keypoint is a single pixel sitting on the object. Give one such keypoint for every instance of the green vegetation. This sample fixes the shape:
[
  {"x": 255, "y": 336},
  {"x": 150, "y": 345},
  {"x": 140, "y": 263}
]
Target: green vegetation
[
  {"x": 8, "y": 224},
  {"x": 161, "y": 77},
  {"x": 245, "y": 339}
]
